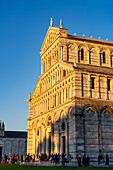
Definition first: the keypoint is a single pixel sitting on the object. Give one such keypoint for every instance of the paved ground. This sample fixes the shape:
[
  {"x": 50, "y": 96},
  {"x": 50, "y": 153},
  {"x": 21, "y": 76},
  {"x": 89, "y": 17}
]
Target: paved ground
[{"x": 70, "y": 164}]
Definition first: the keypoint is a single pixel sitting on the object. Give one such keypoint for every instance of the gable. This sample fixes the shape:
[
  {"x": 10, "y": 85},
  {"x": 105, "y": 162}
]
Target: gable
[{"x": 51, "y": 36}]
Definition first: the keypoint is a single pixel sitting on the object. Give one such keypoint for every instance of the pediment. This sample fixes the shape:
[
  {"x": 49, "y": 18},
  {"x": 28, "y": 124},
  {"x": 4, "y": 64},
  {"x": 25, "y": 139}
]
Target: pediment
[{"x": 51, "y": 36}]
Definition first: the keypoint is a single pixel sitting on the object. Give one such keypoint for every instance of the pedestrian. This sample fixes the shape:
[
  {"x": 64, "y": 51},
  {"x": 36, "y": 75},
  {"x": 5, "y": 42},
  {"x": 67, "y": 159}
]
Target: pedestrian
[
  {"x": 107, "y": 160},
  {"x": 22, "y": 158},
  {"x": 79, "y": 161},
  {"x": 33, "y": 158},
  {"x": 87, "y": 160},
  {"x": 0, "y": 159},
  {"x": 63, "y": 159},
  {"x": 84, "y": 160}
]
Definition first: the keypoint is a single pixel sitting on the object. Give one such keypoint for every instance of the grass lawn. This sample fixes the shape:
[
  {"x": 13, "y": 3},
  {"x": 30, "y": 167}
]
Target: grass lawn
[{"x": 23, "y": 167}]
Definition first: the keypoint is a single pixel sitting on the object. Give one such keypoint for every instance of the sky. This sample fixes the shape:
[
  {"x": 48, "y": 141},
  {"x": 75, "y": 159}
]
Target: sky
[{"x": 23, "y": 26}]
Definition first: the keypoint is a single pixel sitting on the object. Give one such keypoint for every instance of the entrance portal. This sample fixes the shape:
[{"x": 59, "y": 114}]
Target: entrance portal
[
  {"x": 0, "y": 151},
  {"x": 49, "y": 144},
  {"x": 63, "y": 144}
]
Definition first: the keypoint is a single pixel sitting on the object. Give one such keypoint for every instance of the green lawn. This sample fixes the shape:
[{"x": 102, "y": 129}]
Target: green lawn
[{"x": 23, "y": 167}]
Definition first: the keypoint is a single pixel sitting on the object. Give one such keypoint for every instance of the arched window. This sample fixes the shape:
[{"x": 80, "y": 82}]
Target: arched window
[
  {"x": 60, "y": 97},
  {"x": 63, "y": 126},
  {"x": 38, "y": 133},
  {"x": 82, "y": 54},
  {"x": 104, "y": 60},
  {"x": 64, "y": 73},
  {"x": 50, "y": 61},
  {"x": 66, "y": 94},
  {"x": 55, "y": 99},
  {"x": 49, "y": 121}
]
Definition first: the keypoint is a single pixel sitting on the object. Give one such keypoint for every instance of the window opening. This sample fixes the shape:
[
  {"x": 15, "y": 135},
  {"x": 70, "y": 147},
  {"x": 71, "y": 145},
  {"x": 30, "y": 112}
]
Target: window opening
[
  {"x": 82, "y": 54},
  {"x": 92, "y": 82}
]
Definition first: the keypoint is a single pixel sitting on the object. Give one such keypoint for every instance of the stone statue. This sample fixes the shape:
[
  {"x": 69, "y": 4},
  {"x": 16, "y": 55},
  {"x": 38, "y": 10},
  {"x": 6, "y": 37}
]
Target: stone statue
[
  {"x": 51, "y": 21},
  {"x": 60, "y": 23}
]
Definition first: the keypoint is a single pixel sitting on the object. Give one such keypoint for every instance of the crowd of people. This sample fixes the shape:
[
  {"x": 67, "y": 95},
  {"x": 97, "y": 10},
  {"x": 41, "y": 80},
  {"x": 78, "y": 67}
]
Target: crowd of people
[
  {"x": 53, "y": 158},
  {"x": 85, "y": 160}
]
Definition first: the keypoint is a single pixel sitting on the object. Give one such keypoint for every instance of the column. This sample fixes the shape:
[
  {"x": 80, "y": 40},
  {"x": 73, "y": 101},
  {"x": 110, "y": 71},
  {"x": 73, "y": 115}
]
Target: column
[
  {"x": 58, "y": 137},
  {"x": 99, "y": 88},
  {"x": 89, "y": 86},
  {"x": 99, "y": 59},
  {"x": 52, "y": 138},
  {"x": 107, "y": 92},
  {"x": 77, "y": 56},
  {"x": 67, "y": 135},
  {"x": 49, "y": 62},
  {"x": 42, "y": 67}
]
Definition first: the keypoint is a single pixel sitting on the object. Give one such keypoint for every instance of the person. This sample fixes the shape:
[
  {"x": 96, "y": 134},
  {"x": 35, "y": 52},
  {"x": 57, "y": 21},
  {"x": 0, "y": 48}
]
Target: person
[
  {"x": 87, "y": 160},
  {"x": 100, "y": 159},
  {"x": 6, "y": 158},
  {"x": 0, "y": 159},
  {"x": 84, "y": 160},
  {"x": 52, "y": 158},
  {"x": 22, "y": 158},
  {"x": 63, "y": 159},
  {"x": 70, "y": 158},
  {"x": 107, "y": 160},
  {"x": 33, "y": 158},
  {"x": 56, "y": 158},
  {"x": 79, "y": 161}
]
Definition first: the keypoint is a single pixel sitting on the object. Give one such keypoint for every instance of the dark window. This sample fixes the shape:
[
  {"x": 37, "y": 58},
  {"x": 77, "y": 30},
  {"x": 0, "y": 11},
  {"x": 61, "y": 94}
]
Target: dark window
[
  {"x": 103, "y": 57},
  {"x": 55, "y": 99},
  {"x": 82, "y": 54},
  {"x": 108, "y": 84},
  {"x": 38, "y": 133},
  {"x": 64, "y": 73},
  {"x": 92, "y": 82},
  {"x": 63, "y": 126}
]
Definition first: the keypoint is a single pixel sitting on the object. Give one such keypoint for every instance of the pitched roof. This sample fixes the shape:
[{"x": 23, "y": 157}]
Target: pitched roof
[{"x": 15, "y": 134}]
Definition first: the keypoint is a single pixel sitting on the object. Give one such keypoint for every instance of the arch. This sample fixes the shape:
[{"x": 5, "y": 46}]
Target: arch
[
  {"x": 84, "y": 46},
  {"x": 106, "y": 112},
  {"x": 106, "y": 107},
  {"x": 43, "y": 122},
  {"x": 94, "y": 107},
  {"x": 106, "y": 50},
  {"x": 62, "y": 115},
  {"x": 106, "y": 129},
  {"x": 33, "y": 125},
  {"x": 38, "y": 123},
  {"x": 55, "y": 117}
]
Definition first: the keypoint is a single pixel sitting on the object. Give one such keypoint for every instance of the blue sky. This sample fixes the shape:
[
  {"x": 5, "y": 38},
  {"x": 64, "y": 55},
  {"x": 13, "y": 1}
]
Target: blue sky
[{"x": 23, "y": 26}]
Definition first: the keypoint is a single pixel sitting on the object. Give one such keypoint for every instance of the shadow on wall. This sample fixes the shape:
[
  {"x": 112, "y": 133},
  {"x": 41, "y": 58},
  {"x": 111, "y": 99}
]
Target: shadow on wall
[{"x": 85, "y": 130}]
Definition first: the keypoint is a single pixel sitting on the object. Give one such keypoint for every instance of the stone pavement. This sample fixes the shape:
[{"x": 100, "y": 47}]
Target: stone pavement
[{"x": 70, "y": 164}]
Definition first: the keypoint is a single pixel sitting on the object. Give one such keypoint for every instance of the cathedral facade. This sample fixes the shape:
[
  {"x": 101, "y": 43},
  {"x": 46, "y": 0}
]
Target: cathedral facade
[{"x": 71, "y": 108}]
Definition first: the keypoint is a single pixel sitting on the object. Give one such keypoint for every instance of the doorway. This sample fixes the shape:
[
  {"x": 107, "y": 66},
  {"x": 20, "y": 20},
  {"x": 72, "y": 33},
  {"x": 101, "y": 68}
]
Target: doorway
[
  {"x": 49, "y": 144},
  {"x": 63, "y": 144}
]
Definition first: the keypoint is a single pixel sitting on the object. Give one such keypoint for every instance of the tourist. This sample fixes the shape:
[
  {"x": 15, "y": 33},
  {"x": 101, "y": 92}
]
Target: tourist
[
  {"x": 63, "y": 159},
  {"x": 107, "y": 160},
  {"x": 0, "y": 159},
  {"x": 22, "y": 158},
  {"x": 79, "y": 161},
  {"x": 33, "y": 158},
  {"x": 84, "y": 160},
  {"x": 87, "y": 160}
]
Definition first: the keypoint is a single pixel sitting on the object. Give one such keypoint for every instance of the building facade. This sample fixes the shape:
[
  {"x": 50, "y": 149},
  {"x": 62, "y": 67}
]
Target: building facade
[
  {"x": 12, "y": 142},
  {"x": 71, "y": 108}
]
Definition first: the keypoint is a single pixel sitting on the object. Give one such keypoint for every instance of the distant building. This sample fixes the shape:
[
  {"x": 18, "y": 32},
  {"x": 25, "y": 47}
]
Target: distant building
[
  {"x": 71, "y": 108},
  {"x": 12, "y": 141}
]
